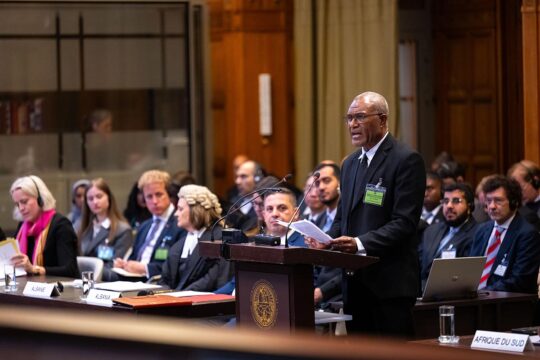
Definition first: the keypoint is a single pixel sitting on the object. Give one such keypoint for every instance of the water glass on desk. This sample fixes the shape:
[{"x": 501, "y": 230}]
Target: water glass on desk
[
  {"x": 447, "y": 326},
  {"x": 10, "y": 278},
  {"x": 87, "y": 278}
]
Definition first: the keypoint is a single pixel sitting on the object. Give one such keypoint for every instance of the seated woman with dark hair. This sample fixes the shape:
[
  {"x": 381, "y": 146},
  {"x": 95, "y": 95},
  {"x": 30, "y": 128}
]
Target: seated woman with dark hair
[
  {"x": 104, "y": 232},
  {"x": 47, "y": 241},
  {"x": 185, "y": 269}
]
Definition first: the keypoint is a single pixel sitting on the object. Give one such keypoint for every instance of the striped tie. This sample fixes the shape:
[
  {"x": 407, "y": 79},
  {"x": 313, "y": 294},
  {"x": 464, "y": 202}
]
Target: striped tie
[{"x": 492, "y": 251}]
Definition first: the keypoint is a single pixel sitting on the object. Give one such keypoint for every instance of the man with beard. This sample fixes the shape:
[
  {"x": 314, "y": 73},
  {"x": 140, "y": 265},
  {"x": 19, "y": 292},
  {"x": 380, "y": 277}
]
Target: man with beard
[
  {"x": 453, "y": 237},
  {"x": 327, "y": 279}
]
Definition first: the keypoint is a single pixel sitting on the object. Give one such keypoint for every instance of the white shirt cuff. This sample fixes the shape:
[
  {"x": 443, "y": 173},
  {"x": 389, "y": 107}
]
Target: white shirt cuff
[{"x": 361, "y": 249}]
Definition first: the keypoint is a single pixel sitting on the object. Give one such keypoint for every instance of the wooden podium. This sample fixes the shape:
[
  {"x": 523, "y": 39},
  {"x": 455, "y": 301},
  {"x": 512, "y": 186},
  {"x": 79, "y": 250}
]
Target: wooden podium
[{"x": 274, "y": 284}]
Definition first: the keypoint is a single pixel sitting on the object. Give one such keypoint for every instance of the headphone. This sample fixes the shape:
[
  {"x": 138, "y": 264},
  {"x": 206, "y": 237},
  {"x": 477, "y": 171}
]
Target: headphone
[
  {"x": 39, "y": 198},
  {"x": 259, "y": 173},
  {"x": 532, "y": 176}
]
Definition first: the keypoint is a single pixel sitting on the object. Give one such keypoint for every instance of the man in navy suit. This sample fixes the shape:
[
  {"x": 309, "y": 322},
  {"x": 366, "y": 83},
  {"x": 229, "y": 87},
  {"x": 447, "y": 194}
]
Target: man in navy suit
[
  {"x": 453, "y": 237},
  {"x": 511, "y": 244},
  {"x": 281, "y": 205},
  {"x": 382, "y": 191},
  {"x": 156, "y": 235}
]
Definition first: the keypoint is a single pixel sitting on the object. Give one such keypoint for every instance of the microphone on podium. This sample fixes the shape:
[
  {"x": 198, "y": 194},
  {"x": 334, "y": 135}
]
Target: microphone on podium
[{"x": 315, "y": 176}]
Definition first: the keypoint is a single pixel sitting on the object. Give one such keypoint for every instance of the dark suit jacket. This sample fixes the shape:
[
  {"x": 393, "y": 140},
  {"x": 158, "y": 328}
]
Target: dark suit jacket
[
  {"x": 122, "y": 241},
  {"x": 521, "y": 246},
  {"x": 196, "y": 272},
  {"x": 431, "y": 239},
  {"x": 296, "y": 239},
  {"x": 60, "y": 252},
  {"x": 170, "y": 234},
  {"x": 387, "y": 231}
]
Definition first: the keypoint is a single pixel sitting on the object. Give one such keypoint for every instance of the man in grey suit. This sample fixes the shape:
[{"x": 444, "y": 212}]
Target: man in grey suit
[
  {"x": 453, "y": 237},
  {"x": 382, "y": 191}
]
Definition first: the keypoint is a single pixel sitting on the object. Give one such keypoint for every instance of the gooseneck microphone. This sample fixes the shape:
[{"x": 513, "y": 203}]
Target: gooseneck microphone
[
  {"x": 315, "y": 176},
  {"x": 260, "y": 191}
]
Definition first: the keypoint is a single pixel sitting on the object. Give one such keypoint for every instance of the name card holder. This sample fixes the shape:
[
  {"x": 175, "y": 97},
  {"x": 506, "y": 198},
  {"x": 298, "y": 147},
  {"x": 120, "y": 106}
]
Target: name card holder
[
  {"x": 491, "y": 340},
  {"x": 102, "y": 297},
  {"x": 37, "y": 289}
]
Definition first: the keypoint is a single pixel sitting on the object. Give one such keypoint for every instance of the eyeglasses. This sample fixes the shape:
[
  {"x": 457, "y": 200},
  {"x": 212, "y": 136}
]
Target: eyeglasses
[
  {"x": 359, "y": 117},
  {"x": 454, "y": 201},
  {"x": 497, "y": 201}
]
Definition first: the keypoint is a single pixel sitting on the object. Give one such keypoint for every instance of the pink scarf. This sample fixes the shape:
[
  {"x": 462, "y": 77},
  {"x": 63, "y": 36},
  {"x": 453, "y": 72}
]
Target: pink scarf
[{"x": 35, "y": 230}]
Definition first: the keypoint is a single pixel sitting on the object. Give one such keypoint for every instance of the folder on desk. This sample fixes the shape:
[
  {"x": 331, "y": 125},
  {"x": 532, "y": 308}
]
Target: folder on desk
[{"x": 141, "y": 302}]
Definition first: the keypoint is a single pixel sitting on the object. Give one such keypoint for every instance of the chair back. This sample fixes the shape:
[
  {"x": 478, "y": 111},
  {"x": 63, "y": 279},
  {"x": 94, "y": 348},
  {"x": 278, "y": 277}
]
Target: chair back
[{"x": 89, "y": 263}]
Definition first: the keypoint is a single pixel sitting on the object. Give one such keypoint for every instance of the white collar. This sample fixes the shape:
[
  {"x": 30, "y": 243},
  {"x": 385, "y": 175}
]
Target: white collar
[{"x": 371, "y": 152}]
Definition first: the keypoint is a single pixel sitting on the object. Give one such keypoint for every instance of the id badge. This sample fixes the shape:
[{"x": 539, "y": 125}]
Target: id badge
[
  {"x": 374, "y": 195},
  {"x": 448, "y": 254},
  {"x": 161, "y": 254},
  {"x": 105, "y": 252},
  {"x": 500, "y": 270}
]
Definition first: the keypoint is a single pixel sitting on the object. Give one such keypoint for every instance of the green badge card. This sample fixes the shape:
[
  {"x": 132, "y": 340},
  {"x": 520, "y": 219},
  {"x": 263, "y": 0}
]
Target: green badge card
[
  {"x": 374, "y": 195},
  {"x": 161, "y": 254}
]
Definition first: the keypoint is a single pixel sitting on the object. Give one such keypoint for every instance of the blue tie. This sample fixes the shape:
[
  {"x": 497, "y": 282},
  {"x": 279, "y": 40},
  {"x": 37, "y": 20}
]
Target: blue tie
[
  {"x": 447, "y": 238},
  {"x": 149, "y": 237}
]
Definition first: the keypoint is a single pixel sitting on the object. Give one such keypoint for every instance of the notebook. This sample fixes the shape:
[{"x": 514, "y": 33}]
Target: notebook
[{"x": 454, "y": 278}]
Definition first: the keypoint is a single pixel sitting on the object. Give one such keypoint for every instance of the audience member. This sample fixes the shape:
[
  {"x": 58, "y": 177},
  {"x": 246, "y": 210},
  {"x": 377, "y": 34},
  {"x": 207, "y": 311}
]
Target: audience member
[
  {"x": 155, "y": 236},
  {"x": 47, "y": 241},
  {"x": 258, "y": 203},
  {"x": 280, "y": 206},
  {"x": 185, "y": 269},
  {"x": 451, "y": 172},
  {"x": 480, "y": 210},
  {"x": 431, "y": 212},
  {"x": 511, "y": 245},
  {"x": 452, "y": 237},
  {"x": 232, "y": 192},
  {"x": 104, "y": 232},
  {"x": 527, "y": 174},
  {"x": 315, "y": 210},
  {"x": 247, "y": 177},
  {"x": 136, "y": 211},
  {"x": 178, "y": 180},
  {"x": 443, "y": 157},
  {"x": 77, "y": 200}
]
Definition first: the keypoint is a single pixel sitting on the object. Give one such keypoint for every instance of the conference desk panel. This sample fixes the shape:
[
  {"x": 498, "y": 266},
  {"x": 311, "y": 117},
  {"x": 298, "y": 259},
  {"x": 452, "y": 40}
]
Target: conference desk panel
[
  {"x": 493, "y": 311},
  {"x": 70, "y": 298}
]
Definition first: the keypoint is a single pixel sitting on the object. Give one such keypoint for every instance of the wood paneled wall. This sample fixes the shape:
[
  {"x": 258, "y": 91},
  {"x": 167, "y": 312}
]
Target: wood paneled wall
[
  {"x": 531, "y": 81},
  {"x": 250, "y": 37}
]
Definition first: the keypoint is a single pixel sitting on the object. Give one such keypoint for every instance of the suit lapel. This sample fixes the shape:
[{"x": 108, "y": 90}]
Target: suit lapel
[
  {"x": 96, "y": 240},
  {"x": 436, "y": 242}
]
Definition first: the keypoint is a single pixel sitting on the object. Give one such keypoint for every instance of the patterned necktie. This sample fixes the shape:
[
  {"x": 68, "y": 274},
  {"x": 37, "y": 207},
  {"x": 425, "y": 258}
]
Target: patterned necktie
[
  {"x": 492, "y": 251},
  {"x": 149, "y": 237}
]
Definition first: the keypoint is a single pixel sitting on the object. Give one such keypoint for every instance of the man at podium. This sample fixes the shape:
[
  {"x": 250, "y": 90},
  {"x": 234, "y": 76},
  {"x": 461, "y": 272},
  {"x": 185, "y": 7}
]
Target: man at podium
[{"x": 382, "y": 187}]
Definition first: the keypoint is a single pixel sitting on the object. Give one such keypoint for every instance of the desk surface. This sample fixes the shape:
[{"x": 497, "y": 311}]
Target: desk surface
[
  {"x": 70, "y": 298},
  {"x": 465, "y": 343}
]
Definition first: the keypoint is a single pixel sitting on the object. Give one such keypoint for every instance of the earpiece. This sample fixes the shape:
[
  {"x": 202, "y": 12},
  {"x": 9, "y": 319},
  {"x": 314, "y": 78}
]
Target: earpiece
[{"x": 39, "y": 198}]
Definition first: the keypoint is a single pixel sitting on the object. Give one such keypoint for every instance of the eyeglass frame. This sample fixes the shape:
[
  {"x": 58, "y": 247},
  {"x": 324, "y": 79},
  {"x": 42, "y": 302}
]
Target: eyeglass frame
[
  {"x": 454, "y": 201},
  {"x": 359, "y": 117}
]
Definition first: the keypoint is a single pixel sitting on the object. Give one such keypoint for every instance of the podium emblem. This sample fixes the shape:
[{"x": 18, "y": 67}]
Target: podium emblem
[{"x": 264, "y": 301}]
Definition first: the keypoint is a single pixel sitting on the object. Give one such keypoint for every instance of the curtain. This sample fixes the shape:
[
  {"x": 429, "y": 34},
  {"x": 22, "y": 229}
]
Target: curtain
[{"x": 342, "y": 48}]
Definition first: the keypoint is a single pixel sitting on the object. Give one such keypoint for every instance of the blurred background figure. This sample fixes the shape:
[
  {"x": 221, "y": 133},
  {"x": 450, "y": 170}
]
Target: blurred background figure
[
  {"x": 238, "y": 160},
  {"x": 104, "y": 232},
  {"x": 77, "y": 201},
  {"x": 136, "y": 211},
  {"x": 178, "y": 180},
  {"x": 100, "y": 121},
  {"x": 47, "y": 242}
]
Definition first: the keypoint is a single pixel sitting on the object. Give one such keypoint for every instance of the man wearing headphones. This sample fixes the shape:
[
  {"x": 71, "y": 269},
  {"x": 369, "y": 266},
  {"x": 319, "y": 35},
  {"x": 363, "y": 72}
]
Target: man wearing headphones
[
  {"x": 247, "y": 176},
  {"x": 452, "y": 237},
  {"x": 511, "y": 245},
  {"x": 527, "y": 174}
]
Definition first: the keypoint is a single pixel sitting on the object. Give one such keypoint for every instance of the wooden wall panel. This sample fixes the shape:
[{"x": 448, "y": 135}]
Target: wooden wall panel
[{"x": 250, "y": 38}]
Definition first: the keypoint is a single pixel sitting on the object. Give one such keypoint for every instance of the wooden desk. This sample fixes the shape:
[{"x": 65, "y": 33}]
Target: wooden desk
[
  {"x": 70, "y": 298},
  {"x": 495, "y": 311}
]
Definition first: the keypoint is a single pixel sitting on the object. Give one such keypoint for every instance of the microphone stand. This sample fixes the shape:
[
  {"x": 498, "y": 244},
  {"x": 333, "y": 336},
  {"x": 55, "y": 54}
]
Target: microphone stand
[{"x": 316, "y": 176}]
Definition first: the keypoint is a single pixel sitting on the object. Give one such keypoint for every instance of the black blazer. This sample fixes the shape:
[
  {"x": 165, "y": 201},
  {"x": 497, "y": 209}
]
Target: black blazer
[
  {"x": 521, "y": 247},
  {"x": 461, "y": 242},
  {"x": 170, "y": 234},
  {"x": 60, "y": 252},
  {"x": 200, "y": 273},
  {"x": 387, "y": 231}
]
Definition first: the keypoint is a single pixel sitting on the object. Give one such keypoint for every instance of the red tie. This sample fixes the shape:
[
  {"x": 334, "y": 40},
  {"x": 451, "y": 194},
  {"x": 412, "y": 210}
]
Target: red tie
[{"x": 492, "y": 251}]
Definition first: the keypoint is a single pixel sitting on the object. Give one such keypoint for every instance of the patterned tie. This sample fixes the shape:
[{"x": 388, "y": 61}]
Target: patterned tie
[
  {"x": 149, "y": 237},
  {"x": 492, "y": 251}
]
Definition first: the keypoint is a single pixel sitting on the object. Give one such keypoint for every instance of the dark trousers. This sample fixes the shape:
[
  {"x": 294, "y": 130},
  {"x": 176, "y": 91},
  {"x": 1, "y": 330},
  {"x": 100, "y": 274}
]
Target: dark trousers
[{"x": 383, "y": 317}]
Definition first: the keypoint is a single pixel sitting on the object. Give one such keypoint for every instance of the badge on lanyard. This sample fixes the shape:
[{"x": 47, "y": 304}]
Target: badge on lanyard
[
  {"x": 105, "y": 252},
  {"x": 161, "y": 253},
  {"x": 374, "y": 194},
  {"x": 501, "y": 269}
]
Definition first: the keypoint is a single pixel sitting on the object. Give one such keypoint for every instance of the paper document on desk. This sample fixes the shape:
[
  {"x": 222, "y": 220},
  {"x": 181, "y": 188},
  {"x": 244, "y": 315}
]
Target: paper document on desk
[
  {"x": 187, "y": 293},
  {"x": 125, "y": 286},
  {"x": 8, "y": 249},
  {"x": 126, "y": 273},
  {"x": 307, "y": 228}
]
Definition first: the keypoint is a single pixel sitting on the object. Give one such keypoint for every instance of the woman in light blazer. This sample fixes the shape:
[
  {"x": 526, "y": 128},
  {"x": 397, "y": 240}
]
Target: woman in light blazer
[{"x": 104, "y": 232}]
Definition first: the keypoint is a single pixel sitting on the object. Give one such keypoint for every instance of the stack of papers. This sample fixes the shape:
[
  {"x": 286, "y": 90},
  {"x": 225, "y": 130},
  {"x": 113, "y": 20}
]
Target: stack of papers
[
  {"x": 125, "y": 286},
  {"x": 8, "y": 249},
  {"x": 307, "y": 228}
]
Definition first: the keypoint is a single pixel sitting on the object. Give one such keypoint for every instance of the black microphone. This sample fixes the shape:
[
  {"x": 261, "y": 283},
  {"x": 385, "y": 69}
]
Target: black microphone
[
  {"x": 316, "y": 176},
  {"x": 260, "y": 191}
]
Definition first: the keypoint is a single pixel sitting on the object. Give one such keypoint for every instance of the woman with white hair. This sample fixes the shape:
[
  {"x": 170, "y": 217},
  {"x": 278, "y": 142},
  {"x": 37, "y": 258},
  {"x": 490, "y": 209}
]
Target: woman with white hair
[
  {"x": 185, "y": 269},
  {"x": 46, "y": 239}
]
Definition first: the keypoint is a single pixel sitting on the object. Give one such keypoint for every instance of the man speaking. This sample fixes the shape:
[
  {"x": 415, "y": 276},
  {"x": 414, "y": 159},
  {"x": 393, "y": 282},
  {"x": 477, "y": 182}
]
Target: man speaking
[{"x": 382, "y": 188}]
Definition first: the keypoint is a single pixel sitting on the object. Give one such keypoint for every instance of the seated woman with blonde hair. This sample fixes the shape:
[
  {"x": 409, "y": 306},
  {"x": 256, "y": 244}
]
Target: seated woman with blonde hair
[
  {"x": 47, "y": 241},
  {"x": 185, "y": 269}
]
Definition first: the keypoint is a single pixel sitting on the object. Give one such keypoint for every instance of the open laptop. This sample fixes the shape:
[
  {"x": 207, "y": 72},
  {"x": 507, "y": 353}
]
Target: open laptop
[{"x": 454, "y": 278}]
